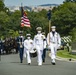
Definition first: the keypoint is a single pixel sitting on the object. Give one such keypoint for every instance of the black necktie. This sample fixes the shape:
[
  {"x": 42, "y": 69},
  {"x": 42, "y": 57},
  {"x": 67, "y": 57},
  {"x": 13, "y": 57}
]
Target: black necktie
[{"x": 53, "y": 33}]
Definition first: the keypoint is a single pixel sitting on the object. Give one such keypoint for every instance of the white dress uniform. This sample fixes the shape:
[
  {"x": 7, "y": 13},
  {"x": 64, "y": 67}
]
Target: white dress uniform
[
  {"x": 28, "y": 44},
  {"x": 54, "y": 41},
  {"x": 38, "y": 44}
]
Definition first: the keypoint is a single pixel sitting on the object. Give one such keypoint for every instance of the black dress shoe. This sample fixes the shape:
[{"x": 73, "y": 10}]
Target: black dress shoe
[
  {"x": 21, "y": 61},
  {"x": 53, "y": 63},
  {"x": 43, "y": 60},
  {"x": 28, "y": 63}
]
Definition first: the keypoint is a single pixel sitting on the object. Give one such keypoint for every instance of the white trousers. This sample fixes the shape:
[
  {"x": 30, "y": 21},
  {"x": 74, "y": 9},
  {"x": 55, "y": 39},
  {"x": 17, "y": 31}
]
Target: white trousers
[
  {"x": 39, "y": 52},
  {"x": 53, "y": 48},
  {"x": 27, "y": 54}
]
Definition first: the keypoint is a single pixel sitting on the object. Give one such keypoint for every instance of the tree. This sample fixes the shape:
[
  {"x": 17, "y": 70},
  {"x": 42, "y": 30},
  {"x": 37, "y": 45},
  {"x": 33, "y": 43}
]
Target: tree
[
  {"x": 4, "y": 21},
  {"x": 64, "y": 17},
  {"x": 15, "y": 20},
  {"x": 2, "y": 6},
  {"x": 69, "y": 1},
  {"x": 73, "y": 33}
]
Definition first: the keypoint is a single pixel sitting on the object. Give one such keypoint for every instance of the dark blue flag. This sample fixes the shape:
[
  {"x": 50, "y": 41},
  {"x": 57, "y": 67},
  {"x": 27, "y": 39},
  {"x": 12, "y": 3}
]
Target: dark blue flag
[{"x": 49, "y": 14}]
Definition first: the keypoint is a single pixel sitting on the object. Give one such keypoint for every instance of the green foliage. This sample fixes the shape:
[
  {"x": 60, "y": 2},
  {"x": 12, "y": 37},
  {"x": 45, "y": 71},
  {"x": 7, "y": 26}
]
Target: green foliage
[
  {"x": 13, "y": 33},
  {"x": 2, "y": 6},
  {"x": 65, "y": 54},
  {"x": 69, "y": 1},
  {"x": 15, "y": 19},
  {"x": 4, "y": 21},
  {"x": 64, "y": 17},
  {"x": 73, "y": 33}
]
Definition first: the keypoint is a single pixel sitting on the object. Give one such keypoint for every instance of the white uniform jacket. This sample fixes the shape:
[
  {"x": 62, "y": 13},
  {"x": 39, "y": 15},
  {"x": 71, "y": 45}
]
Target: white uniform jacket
[
  {"x": 38, "y": 42},
  {"x": 28, "y": 44},
  {"x": 54, "y": 39}
]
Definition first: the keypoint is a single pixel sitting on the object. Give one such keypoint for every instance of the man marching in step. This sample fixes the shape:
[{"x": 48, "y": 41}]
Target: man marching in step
[
  {"x": 20, "y": 41},
  {"x": 44, "y": 50},
  {"x": 28, "y": 44},
  {"x": 1, "y": 48},
  {"x": 54, "y": 42},
  {"x": 38, "y": 44}
]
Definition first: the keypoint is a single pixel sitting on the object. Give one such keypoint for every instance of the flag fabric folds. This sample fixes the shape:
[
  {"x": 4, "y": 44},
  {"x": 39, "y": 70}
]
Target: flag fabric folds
[
  {"x": 24, "y": 19},
  {"x": 49, "y": 14}
]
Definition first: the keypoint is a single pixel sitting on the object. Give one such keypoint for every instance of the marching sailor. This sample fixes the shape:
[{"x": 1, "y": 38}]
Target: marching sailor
[
  {"x": 28, "y": 45},
  {"x": 20, "y": 41},
  {"x": 38, "y": 44},
  {"x": 44, "y": 50},
  {"x": 54, "y": 42},
  {"x": 1, "y": 45}
]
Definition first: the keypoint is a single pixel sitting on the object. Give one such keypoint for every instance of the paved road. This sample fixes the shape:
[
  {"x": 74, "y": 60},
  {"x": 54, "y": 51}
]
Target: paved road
[{"x": 9, "y": 65}]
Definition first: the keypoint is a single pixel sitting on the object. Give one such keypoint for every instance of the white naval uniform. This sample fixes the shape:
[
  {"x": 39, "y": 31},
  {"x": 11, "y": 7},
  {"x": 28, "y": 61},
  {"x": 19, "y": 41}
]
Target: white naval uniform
[
  {"x": 54, "y": 42},
  {"x": 38, "y": 44},
  {"x": 28, "y": 44}
]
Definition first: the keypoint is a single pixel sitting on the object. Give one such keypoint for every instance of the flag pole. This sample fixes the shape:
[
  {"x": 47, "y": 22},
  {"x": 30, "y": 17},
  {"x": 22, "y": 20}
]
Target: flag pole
[
  {"x": 49, "y": 18},
  {"x": 21, "y": 4},
  {"x": 22, "y": 12}
]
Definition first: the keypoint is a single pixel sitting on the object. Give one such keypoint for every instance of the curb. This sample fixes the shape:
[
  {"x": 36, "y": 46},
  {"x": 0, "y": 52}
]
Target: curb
[{"x": 64, "y": 59}]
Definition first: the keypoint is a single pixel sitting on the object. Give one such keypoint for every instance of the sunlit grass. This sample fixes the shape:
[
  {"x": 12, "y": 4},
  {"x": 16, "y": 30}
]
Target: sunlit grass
[{"x": 65, "y": 54}]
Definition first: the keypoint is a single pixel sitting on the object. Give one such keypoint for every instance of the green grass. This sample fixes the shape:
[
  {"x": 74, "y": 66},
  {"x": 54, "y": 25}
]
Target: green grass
[{"x": 65, "y": 54}]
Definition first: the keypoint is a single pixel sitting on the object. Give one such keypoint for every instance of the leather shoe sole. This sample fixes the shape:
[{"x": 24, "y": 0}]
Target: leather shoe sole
[{"x": 53, "y": 63}]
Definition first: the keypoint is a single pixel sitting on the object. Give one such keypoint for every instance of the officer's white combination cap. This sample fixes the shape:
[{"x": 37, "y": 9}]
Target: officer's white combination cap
[
  {"x": 28, "y": 35},
  {"x": 38, "y": 28},
  {"x": 53, "y": 27}
]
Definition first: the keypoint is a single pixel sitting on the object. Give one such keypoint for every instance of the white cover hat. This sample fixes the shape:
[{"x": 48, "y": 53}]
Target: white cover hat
[
  {"x": 28, "y": 35},
  {"x": 53, "y": 27},
  {"x": 38, "y": 28}
]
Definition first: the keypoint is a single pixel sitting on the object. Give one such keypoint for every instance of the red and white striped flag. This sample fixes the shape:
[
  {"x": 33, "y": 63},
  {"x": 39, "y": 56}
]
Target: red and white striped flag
[{"x": 24, "y": 20}]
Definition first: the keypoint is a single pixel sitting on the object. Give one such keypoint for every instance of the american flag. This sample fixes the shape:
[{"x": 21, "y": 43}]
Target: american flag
[{"x": 24, "y": 19}]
